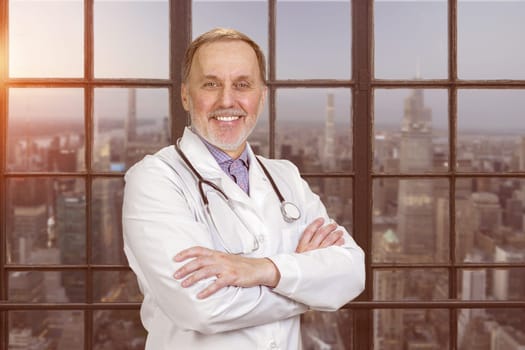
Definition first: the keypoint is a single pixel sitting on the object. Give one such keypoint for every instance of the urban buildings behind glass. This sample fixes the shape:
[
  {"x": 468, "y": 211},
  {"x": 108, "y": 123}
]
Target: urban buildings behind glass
[
  {"x": 411, "y": 225},
  {"x": 46, "y": 225}
]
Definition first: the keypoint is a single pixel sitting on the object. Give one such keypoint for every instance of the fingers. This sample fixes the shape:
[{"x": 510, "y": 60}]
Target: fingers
[
  {"x": 332, "y": 239},
  {"x": 201, "y": 258},
  {"x": 213, "y": 288},
  {"x": 192, "y": 252},
  {"x": 199, "y": 275},
  {"x": 322, "y": 234},
  {"x": 228, "y": 269},
  {"x": 316, "y": 235},
  {"x": 307, "y": 235}
]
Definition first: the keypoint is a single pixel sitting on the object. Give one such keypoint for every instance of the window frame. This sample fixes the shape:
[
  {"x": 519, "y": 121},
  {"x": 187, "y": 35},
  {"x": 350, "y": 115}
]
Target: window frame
[{"x": 362, "y": 84}]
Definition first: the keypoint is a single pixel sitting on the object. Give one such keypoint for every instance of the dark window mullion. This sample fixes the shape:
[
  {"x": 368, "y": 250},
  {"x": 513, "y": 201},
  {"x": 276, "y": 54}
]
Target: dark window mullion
[
  {"x": 452, "y": 111},
  {"x": 271, "y": 78},
  {"x": 362, "y": 101},
  {"x": 3, "y": 153},
  {"x": 3, "y": 235},
  {"x": 88, "y": 118},
  {"x": 180, "y": 37}
]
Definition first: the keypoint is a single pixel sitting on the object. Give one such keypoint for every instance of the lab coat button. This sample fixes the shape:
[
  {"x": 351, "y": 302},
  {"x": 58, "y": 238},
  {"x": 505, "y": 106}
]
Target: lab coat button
[
  {"x": 260, "y": 238},
  {"x": 273, "y": 345}
]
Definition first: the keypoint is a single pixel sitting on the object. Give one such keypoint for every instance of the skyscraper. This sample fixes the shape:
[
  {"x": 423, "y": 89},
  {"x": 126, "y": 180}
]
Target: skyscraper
[
  {"x": 131, "y": 118},
  {"x": 329, "y": 135},
  {"x": 415, "y": 240},
  {"x": 415, "y": 197},
  {"x": 71, "y": 231}
]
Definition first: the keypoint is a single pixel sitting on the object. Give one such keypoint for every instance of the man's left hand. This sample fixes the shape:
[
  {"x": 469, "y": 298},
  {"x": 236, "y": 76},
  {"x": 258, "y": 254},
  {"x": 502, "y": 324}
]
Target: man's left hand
[{"x": 230, "y": 270}]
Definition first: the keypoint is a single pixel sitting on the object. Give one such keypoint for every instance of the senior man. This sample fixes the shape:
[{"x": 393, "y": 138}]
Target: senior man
[{"x": 230, "y": 248}]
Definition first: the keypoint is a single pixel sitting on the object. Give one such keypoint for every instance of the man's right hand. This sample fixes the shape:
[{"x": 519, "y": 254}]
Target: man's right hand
[{"x": 317, "y": 235}]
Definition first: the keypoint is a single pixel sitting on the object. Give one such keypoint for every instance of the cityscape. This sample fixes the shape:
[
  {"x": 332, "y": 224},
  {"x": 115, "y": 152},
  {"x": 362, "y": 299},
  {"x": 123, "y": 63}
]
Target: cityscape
[
  {"x": 46, "y": 216},
  {"x": 46, "y": 225}
]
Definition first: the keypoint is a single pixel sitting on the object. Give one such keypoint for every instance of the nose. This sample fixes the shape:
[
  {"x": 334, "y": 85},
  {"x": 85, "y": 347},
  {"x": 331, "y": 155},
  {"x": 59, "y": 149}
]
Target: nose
[{"x": 227, "y": 97}]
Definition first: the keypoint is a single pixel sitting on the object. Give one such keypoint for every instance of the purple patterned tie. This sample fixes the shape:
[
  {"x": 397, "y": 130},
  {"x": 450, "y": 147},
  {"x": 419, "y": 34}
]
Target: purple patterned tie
[{"x": 238, "y": 170}]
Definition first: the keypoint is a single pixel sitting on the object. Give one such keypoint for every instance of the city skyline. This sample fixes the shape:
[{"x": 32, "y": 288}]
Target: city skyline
[
  {"x": 46, "y": 225},
  {"x": 417, "y": 52},
  {"x": 47, "y": 217}
]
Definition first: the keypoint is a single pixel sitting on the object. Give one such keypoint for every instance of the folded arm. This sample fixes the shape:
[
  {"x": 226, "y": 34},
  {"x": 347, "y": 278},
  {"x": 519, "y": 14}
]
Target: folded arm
[
  {"x": 325, "y": 272},
  {"x": 158, "y": 224}
]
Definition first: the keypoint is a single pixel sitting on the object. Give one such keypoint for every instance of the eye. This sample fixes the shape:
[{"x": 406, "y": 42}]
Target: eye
[
  {"x": 242, "y": 85},
  {"x": 210, "y": 84}
]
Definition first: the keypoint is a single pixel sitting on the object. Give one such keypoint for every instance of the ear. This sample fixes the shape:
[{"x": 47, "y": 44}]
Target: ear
[
  {"x": 264, "y": 93},
  {"x": 184, "y": 94}
]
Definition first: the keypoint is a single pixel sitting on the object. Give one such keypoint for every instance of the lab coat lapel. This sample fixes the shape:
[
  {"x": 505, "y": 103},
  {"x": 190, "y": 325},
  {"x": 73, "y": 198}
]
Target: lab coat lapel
[
  {"x": 200, "y": 157},
  {"x": 260, "y": 186}
]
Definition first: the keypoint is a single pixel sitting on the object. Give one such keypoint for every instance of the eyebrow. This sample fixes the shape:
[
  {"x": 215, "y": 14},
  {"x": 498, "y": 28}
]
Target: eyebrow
[{"x": 241, "y": 77}]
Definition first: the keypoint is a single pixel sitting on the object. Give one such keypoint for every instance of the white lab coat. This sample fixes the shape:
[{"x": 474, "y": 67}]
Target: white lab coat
[{"x": 163, "y": 214}]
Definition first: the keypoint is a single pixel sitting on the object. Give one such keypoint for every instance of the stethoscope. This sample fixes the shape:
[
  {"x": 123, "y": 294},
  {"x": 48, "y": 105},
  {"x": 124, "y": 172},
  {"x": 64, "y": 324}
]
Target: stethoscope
[{"x": 289, "y": 210}]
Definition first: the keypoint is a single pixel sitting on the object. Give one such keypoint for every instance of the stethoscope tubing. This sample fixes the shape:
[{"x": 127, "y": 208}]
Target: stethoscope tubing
[{"x": 202, "y": 181}]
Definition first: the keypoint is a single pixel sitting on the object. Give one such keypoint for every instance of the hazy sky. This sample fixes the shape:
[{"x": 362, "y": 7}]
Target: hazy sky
[{"x": 313, "y": 41}]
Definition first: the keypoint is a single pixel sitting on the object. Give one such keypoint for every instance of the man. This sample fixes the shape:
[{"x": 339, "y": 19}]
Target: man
[{"x": 220, "y": 265}]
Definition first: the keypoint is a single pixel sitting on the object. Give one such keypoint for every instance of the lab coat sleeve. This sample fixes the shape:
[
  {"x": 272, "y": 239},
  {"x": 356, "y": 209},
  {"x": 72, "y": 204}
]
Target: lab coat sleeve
[
  {"x": 327, "y": 278},
  {"x": 157, "y": 224}
]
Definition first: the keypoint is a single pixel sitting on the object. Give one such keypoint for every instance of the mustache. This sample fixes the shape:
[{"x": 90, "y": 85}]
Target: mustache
[{"x": 227, "y": 112}]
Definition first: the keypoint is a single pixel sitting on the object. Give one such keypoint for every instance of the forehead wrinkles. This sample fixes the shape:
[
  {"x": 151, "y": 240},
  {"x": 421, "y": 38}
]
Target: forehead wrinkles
[{"x": 225, "y": 59}]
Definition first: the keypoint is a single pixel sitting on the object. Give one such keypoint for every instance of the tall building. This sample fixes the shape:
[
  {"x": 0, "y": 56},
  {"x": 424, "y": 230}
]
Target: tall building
[
  {"x": 106, "y": 222},
  {"x": 415, "y": 197},
  {"x": 71, "y": 232},
  {"x": 487, "y": 211},
  {"x": 138, "y": 141},
  {"x": 509, "y": 284},
  {"x": 521, "y": 153},
  {"x": 329, "y": 135},
  {"x": 507, "y": 338},
  {"x": 414, "y": 239},
  {"x": 131, "y": 118}
]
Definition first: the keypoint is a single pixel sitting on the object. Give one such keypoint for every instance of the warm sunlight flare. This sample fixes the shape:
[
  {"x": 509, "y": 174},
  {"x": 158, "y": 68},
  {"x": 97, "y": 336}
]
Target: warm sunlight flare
[{"x": 409, "y": 126}]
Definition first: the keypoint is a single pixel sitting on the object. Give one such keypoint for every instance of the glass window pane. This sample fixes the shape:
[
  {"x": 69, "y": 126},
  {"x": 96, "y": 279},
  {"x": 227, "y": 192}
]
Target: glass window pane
[
  {"x": 492, "y": 284},
  {"x": 410, "y": 284},
  {"x": 327, "y": 330},
  {"x": 47, "y": 286},
  {"x": 410, "y": 221},
  {"x": 410, "y": 131},
  {"x": 116, "y": 286},
  {"x": 489, "y": 220},
  {"x": 411, "y": 329},
  {"x": 249, "y": 16},
  {"x": 106, "y": 224},
  {"x": 491, "y": 129},
  {"x": 490, "y": 329},
  {"x": 46, "y": 39},
  {"x": 313, "y": 39},
  {"x": 46, "y": 221},
  {"x": 490, "y": 39},
  {"x": 313, "y": 128},
  {"x": 131, "y": 39},
  {"x": 411, "y": 39},
  {"x": 45, "y": 129},
  {"x": 336, "y": 195},
  {"x": 46, "y": 329},
  {"x": 129, "y": 123},
  {"x": 118, "y": 329}
]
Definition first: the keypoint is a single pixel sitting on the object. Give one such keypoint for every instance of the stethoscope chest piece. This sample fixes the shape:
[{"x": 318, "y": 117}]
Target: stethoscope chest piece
[{"x": 290, "y": 212}]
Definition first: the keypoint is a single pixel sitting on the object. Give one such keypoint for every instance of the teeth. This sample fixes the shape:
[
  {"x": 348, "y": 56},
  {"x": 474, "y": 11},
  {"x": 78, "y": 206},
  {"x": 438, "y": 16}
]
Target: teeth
[{"x": 227, "y": 119}]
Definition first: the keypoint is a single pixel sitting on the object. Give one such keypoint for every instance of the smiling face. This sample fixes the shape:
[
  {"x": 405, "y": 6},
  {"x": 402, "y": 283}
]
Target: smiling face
[{"x": 224, "y": 94}]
